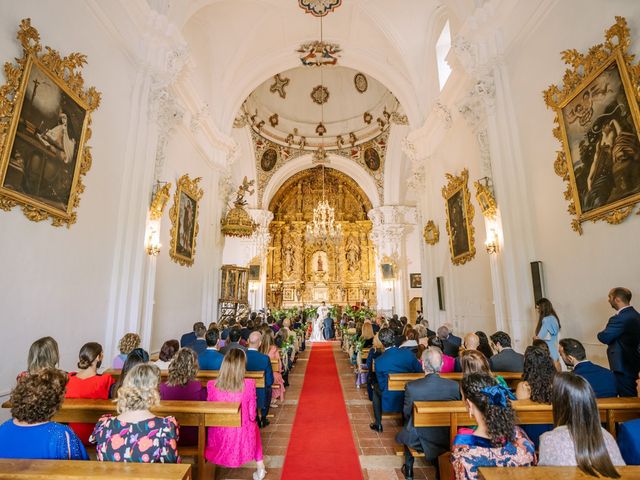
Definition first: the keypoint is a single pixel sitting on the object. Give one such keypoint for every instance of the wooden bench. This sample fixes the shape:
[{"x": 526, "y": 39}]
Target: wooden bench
[
  {"x": 204, "y": 376},
  {"x": 187, "y": 413},
  {"x": 69, "y": 469},
  {"x": 397, "y": 381},
  {"x": 545, "y": 473},
  {"x": 453, "y": 414}
]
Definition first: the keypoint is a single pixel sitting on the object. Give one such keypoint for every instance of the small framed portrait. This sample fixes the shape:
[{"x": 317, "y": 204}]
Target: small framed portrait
[
  {"x": 388, "y": 271},
  {"x": 269, "y": 159},
  {"x": 254, "y": 273},
  {"x": 43, "y": 149},
  {"x": 415, "y": 280},
  {"x": 184, "y": 221},
  {"x": 372, "y": 158},
  {"x": 459, "y": 212},
  {"x": 431, "y": 233}
]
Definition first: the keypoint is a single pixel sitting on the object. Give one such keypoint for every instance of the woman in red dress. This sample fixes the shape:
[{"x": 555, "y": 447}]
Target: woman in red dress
[{"x": 88, "y": 383}]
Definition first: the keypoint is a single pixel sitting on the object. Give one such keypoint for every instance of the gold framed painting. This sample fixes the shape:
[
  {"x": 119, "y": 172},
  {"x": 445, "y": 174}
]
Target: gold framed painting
[
  {"x": 597, "y": 121},
  {"x": 184, "y": 220},
  {"x": 44, "y": 152},
  {"x": 431, "y": 233},
  {"x": 415, "y": 280},
  {"x": 459, "y": 218}
]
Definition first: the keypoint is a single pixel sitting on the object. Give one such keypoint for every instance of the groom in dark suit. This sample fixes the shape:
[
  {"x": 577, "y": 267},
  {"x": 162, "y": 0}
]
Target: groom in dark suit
[
  {"x": 433, "y": 441},
  {"x": 622, "y": 335},
  {"x": 327, "y": 328}
]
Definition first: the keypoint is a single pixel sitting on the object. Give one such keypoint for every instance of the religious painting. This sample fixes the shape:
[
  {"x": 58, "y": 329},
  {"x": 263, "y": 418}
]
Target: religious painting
[
  {"x": 415, "y": 280},
  {"x": 269, "y": 159},
  {"x": 598, "y": 118},
  {"x": 44, "y": 154},
  {"x": 184, "y": 220},
  {"x": 319, "y": 262},
  {"x": 372, "y": 158},
  {"x": 388, "y": 271},
  {"x": 254, "y": 273},
  {"x": 459, "y": 218}
]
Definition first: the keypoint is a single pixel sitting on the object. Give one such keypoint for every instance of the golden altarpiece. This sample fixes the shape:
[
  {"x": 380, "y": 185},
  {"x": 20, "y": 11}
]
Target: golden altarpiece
[{"x": 302, "y": 272}]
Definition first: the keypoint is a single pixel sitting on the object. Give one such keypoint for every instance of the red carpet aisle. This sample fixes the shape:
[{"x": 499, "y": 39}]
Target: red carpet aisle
[{"x": 321, "y": 444}]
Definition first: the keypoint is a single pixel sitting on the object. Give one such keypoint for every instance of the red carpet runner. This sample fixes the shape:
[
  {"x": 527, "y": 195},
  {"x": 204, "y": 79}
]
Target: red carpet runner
[{"x": 321, "y": 444}]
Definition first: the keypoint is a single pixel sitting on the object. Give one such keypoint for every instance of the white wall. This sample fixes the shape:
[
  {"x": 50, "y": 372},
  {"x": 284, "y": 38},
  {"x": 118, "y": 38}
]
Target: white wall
[{"x": 56, "y": 281}]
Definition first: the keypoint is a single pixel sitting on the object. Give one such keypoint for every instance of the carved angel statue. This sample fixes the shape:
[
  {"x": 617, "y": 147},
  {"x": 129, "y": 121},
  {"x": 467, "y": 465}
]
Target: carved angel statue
[{"x": 245, "y": 188}]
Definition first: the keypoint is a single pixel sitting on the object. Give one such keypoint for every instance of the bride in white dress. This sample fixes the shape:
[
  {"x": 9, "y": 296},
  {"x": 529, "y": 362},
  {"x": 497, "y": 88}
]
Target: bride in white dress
[{"x": 316, "y": 332}]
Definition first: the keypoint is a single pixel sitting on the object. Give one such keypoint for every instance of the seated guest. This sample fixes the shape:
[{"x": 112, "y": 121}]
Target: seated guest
[
  {"x": 136, "y": 434},
  {"x": 88, "y": 383},
  {"x": 484, "y": 347},
  {"x": 136, "y": 356},
  {"x": 473, "y": 361},
  {"x": 410, "y": 340},
  {"x": 367, "y": 335},
  {"x": 376, "y": 350},
  {"x": 259, "y": 362},
  {"x": 433, "y": 441},
  {"x": 506, "y": 359},
  {"x": 181, "y": 384},
  {"x": 457, "y": 341},
  {"x": 601, "y": 379},
  {"x": 430, "y": 333},
  {"x": 167, "y": 352},
  {"x": 234, "y": 446},
  {"x": 199, "y": 345},
  {"x": 393, "y": 360},
  {"x": 450, "y": 346},
  {"x": 578, "y": 439},
  {"x": 211, "y": 359},
  {"x": 448, "y": 362},
  {"x": 30, "y": 433},
  {"x": 190, "y": 337},
  {"x": 629, "y": 438},
  {"x": 43, "y": 354},
  {"x": 269, "y": 348},
  {"x": 423, "y": 336},
  {"x": 542, "y": 345},
  {"x": 497, "y": 441},
  {"x": 127, "y": 343},
  {"x": 537, "y": 379},
  {"x": 471, "y": 342},
  {"x": 233, "y": 341}
]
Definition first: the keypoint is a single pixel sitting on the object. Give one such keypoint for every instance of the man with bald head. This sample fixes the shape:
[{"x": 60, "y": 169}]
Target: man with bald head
[
  {"x": 471, "y": 342},
  {"x": 259, "y": 362}
]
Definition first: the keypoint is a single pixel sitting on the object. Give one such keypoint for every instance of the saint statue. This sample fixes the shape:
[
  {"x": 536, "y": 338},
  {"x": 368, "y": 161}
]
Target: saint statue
[{"x": 320, "y": 265}]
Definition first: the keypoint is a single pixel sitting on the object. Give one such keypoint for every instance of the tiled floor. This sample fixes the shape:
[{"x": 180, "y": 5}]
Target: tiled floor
[{"x": 376, "y": 450}]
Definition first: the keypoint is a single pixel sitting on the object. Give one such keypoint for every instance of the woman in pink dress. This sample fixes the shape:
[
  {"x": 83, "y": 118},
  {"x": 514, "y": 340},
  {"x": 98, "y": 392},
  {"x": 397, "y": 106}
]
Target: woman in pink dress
[
  {"x": 235, "y": 446},
  {"x": 269, "y": 348}
]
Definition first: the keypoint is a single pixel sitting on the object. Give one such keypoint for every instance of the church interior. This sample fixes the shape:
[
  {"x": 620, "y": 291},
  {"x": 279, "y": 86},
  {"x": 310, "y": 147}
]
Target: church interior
[{"x": 429, "y": 168}]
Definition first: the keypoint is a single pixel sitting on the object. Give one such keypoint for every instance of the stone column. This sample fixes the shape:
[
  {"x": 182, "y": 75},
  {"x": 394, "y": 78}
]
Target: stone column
[{"x": 259, "y": 246}]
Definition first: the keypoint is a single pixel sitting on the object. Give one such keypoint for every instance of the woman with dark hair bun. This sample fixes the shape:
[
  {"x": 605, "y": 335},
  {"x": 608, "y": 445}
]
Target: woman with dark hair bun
[
  {"x": 136, "y": 356},
  {"x": 497, "y": 441},
  {"x": 167, "y": 352},
  {"x": 484, "y": 347},
  {"x": 578, "y": 439},
  {"x": 88, "y": 383}
]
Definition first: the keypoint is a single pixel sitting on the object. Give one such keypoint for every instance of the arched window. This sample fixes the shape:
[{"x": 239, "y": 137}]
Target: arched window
[{"x": 443, "y": 45}]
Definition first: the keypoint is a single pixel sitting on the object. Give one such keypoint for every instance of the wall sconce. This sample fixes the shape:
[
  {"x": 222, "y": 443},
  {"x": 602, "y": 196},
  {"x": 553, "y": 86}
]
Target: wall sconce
[
  {"x": 152, "y": 243},
  {"x": 491, "y": 244},
  {"x": 159, "y": 198}
]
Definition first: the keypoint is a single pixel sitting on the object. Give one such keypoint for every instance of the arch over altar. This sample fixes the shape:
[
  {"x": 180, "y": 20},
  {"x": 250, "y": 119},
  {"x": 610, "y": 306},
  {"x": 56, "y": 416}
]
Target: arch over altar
[{"x": 303, "y": 272}]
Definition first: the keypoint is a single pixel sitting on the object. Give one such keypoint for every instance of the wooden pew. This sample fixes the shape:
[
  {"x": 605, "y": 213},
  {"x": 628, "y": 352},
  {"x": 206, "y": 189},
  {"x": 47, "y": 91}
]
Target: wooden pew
[
  {"x": 187, "y": 413},
  {"x": 71, "y": 469},
  {"x": 397, "y": 381},
  {"x": 204, "y": 376},
  {"x": 454, "y": 414},
  {"x": 545, "y": 473}
]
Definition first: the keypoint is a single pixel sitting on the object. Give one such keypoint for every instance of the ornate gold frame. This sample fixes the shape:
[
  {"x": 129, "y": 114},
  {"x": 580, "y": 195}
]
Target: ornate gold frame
[
  {"x": 486, "y": 200},
  {"x": 431, "y": 233},
  {"x": 584, "y": 69},
  {"x": 66, "y": 73},
  {"x": 159, "y": 202},
  {"x": 394, "y": 265},
  {"x": 456, "y": 184},
  {"x": 191, "y": 189}
]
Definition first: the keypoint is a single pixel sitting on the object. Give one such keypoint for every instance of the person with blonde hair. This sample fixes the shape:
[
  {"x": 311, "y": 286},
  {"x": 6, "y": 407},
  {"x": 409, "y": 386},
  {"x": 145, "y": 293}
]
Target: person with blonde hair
[
  {"x": 43, "y": 354},
  {"x": 235, "y": 446},
  {"x": 269, "y": 348},
  {"x": 129, "y": 342},
  {"x": 136, "y": 434}
]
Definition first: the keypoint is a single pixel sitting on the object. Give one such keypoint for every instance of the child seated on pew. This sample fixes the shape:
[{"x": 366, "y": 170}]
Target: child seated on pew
[
  {"x": 578, "y": 439},
  {"x": 136, "y": 434},
  {"x": 31, "y": 434},
  {"x": 497, "y": 441},
  {"x": 235, "y": 446}
]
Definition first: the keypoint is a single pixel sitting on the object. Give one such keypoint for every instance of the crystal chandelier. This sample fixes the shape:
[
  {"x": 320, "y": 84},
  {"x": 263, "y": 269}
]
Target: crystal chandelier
[{"x": 324, "y": 228}]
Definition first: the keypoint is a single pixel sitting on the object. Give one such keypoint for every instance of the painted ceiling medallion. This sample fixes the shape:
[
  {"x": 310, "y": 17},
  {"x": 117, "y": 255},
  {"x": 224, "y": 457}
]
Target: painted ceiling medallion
[
  {"x": 321, "y": 129},
  {"x": 367, "y": 117},
  {"x": 320, "y": 94},
  {"x": 273, "y": 120},
  {"x": 361, "y": 83},
  {"x": 319, "y": 8},
  {"x": 278, "y": 85},
  {"x": 319, "y": 53}
]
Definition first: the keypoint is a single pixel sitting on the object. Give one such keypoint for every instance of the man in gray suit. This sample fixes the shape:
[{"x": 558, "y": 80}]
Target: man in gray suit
[
  {"x": 433, "y": 441},
  {"x": 506, "y": 359}
]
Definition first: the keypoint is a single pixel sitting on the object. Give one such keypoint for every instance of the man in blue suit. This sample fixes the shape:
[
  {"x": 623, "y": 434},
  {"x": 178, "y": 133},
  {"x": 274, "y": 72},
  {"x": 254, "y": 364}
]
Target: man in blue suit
[
  {"x": 188, "y": 338},
  {"x": 199, "y": 345},
  {"x": 622, "y": 335},
  {"x": 211, "y": 358},
  {"x": 327, "y": 328},
  {"x": 601, "y": 379},
  {"x": 259, "y": 362},
  {"x": 393, "y": 360}
]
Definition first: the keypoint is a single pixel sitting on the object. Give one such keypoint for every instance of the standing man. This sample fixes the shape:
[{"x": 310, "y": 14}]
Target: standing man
[{"x": 622, "y": 335}]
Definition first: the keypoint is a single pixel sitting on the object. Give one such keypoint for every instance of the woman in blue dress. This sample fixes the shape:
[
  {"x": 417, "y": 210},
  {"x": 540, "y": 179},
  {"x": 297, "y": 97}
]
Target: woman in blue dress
[
  {"x": 548, "y": 328},
  {"x": 31, "y": 434}
]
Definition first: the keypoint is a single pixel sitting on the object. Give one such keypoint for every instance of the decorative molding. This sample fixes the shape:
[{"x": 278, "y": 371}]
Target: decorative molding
[
  {"x": 278, "y": 85},
  {"x": 168, "y": 114},
  {"x": 319, "y": 8},
  {"x": 320, "y": 94}
]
